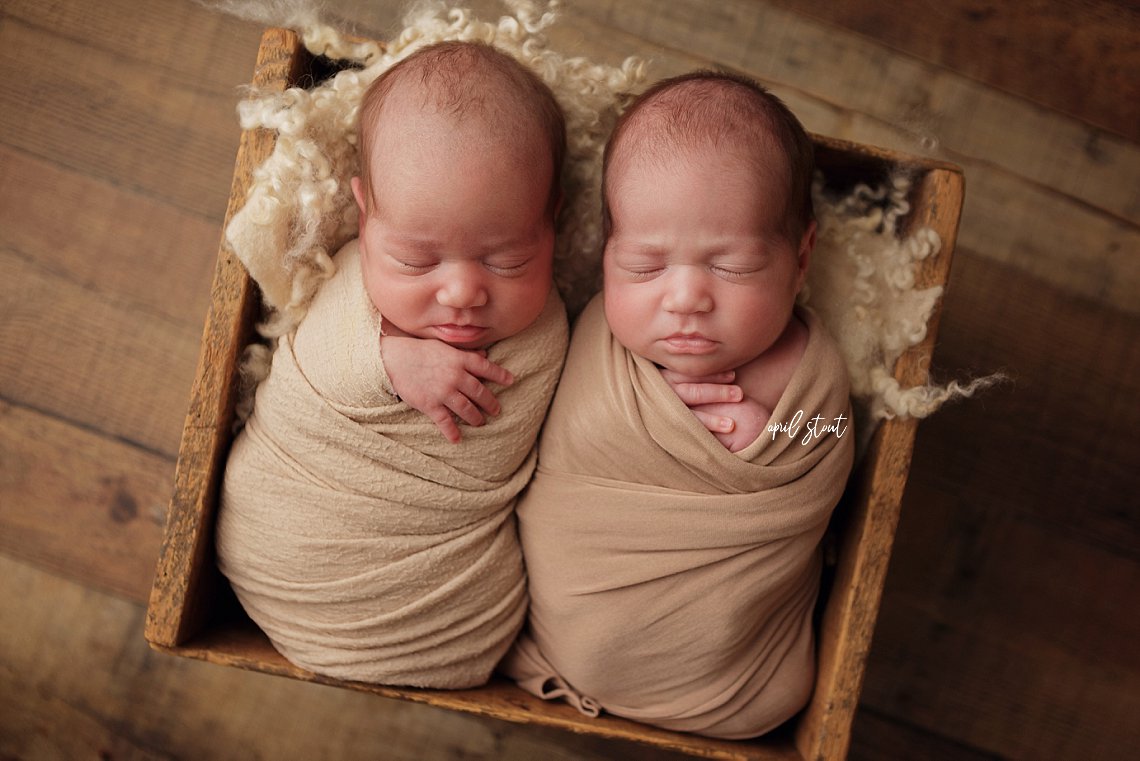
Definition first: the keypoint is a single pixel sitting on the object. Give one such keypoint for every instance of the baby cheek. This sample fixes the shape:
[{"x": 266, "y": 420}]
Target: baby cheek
[
  {"x": 370, "y": 278},
  {"x": 624, "y": 314}
]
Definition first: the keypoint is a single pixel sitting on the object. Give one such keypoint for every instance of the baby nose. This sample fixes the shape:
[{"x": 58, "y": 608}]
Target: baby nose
[
  {"x": 462, "y": 290},
  {"x": 687, "y": 292}
]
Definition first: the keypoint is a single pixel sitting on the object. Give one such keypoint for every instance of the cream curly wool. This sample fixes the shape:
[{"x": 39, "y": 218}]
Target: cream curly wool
[
  {"x": 300, "y": 206},
  {"x": 862, "y": 284}
]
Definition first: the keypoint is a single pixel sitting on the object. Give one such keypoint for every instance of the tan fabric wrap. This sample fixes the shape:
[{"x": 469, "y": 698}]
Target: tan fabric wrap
[
  {"x": 364, "y": 544},
  {"x": 671, "y": 580}
]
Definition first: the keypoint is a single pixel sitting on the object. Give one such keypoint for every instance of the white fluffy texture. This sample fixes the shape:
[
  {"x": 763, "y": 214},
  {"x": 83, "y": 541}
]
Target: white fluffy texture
[
  {"x": 862, "y": 283},
  {"x": 300, "y": 206}
]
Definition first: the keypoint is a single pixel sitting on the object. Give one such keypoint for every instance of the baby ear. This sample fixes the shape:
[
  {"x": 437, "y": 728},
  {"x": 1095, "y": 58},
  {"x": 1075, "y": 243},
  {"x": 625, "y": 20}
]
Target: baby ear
[
  {"x": 362, "y": 207},
  {"x": 358, "y": 194},
  {"x": 803, "y": 254}
]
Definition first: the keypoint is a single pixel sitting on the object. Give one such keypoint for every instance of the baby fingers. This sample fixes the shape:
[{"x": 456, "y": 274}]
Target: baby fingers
[
  {"x": 478, "y": 365},
  {"x": 715, "y": 423},
  {"x": 444, "y": 421},
  {"x": 693, "y": 394},
  {"x": 465, "y": 409},
  {"x": 672, "y": 377}
]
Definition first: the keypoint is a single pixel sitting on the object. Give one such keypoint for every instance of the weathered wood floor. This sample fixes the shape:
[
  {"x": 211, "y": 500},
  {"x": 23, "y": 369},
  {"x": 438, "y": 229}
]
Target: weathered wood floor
[{"x": 1010, "y": 619}]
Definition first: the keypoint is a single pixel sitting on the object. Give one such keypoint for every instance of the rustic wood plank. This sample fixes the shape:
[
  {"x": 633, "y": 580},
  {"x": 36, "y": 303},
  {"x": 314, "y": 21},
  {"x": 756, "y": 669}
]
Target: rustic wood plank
[
  {"x": 1069, "y": 413},
  {"x": 80, "y": 503},
  {"x": 184, "y": 40},
  {"x": 1008, "y": 619},
  {"x": 112, "y": 242},
  {"x": 126, "y": 701},
  {"x": 109, "y": 116},
  {"x": 979, "y": 579},
  {"x": 186, "y": 577},
  {"x": 1013, "y": 696},
  {"x": 1070, "y": 245},
  {"x": 878, "y": 737},
  {"x": 90, "y": 359},
  {"x": 936, "y": 106},
  {"x": 243, "y": 645},
  {"x": 1078, "y": 57}
]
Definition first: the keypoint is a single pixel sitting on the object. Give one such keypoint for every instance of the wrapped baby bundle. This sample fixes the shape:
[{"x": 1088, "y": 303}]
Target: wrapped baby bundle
[
  {"x": 365, "y": 545},
  {"x": 673, "y": 581}
]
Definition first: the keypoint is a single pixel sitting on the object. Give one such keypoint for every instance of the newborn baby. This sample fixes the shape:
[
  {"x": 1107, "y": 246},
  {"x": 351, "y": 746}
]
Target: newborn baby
[
  {"x": 364, "y": 543},
  {"x": 700, "y": 436}
]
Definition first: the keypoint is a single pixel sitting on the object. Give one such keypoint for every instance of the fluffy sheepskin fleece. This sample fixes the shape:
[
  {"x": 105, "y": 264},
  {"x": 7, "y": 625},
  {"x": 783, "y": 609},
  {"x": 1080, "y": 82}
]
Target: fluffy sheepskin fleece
[{"x": 300, "y": 207}]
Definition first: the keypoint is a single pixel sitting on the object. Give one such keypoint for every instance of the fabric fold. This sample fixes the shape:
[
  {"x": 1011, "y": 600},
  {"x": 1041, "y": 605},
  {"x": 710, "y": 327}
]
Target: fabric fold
[
  {"x": 364, "y": 544},
  {"x": 673, "y": 581}
]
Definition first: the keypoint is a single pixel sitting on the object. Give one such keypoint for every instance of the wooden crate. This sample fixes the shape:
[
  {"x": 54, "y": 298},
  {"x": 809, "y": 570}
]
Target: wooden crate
[{"x": 193, "y": 612}]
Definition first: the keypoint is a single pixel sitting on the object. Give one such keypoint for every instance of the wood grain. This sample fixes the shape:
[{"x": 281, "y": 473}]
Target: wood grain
[
  {"x": 99, "y": 363},
  {"x": 123, "y": 700},
  {"x": 867, "y": 520},
  {"x": 80, "y": 502},
  {"x": 240, "y": 644},
  {"x": 185, "y": 578},
  {"x": 121, "y": 246},
  {"x": 1017, "y": 553},
  {"x": 1068, "y": 411},
  {"x": 879, "y": 736},
  {"x": 1078, "y": 57},
  {"x": 130, "y": 115},
  {"x": 186, "y": 588},
  {"x": 1008, "y": 622}
]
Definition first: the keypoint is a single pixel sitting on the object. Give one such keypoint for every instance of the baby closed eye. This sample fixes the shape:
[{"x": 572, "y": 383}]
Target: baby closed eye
[
  {"x": 732, "y": 273},
  {"x": 413, "y": 263},
  {"x": 647, "y": 272},
  {"x": 506, "y": 267}
]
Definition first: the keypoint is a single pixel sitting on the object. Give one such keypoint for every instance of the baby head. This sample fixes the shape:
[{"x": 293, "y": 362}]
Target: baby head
[
  {"x": 708, "y": 222},
  {"x": 461, "y": 156}
]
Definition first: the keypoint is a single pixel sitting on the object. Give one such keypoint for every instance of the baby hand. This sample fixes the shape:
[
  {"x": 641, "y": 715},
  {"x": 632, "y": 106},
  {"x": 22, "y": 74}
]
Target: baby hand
[
  {"x": 745, "y": 421},
  {"x": 442, "y": 381},
  {"x": 721, "y": 407},
  {"x": 706, "y": 389}
]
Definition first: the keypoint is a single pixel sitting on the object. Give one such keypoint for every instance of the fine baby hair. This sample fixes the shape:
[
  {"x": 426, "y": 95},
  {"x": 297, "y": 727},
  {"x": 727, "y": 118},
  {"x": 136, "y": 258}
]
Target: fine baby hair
[
  {"x": 510, "y": 101},
  {"x": 710, "y": 108}
]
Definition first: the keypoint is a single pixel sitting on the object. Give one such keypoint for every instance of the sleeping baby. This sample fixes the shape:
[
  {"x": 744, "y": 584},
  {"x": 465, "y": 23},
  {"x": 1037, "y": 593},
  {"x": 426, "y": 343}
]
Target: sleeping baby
[
  {"x": 700, "y": 436},
  {"x": 366, "y": 534}
]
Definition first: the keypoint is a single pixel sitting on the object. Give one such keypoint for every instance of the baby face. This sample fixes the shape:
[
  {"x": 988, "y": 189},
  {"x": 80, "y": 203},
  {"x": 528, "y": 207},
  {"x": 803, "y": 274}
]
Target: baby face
[
  {"x": 700, "y": 276},
  {"x": 458, "y": 244}
]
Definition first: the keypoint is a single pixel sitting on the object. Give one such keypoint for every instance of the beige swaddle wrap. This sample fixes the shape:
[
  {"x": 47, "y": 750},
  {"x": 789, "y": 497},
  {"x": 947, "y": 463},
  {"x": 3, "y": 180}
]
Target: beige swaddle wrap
[
  {"x": 671, "y": 580},
  {"x": 365, "y": 545}
]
